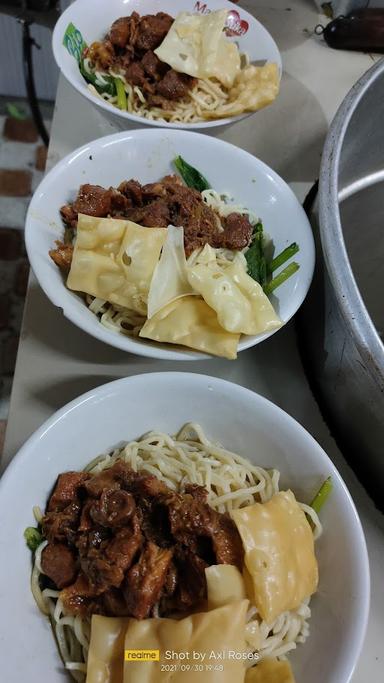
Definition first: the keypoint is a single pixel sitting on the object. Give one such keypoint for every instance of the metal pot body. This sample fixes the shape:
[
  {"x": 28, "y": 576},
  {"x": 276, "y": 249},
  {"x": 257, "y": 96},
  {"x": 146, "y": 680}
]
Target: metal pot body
[{"x": 342, "y": 320}]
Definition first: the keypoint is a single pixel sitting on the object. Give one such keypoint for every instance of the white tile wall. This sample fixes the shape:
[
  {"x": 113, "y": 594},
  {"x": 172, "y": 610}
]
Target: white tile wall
[
  {"x": 11, "y": 71},
  {"x": 11, "y": 68}
]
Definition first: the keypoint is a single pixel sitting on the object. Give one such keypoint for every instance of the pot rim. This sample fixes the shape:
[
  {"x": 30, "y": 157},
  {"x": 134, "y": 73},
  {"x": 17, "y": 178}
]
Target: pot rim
[{"x": 337, "y": 263}]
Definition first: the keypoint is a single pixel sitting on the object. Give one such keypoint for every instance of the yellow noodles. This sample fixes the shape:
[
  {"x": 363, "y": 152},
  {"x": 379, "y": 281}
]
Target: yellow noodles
[
  {"x": 204, "y": 98},
  {"x": 232, "y": 482},
  {"x": 255, "y": 87}
]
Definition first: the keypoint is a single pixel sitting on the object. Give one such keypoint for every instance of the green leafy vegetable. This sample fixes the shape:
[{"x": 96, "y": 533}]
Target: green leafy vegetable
[
  {"x": 121, "y": 96},
  {"x": 33, "y": 538},
  {"x": 258, "y": 267},
  {"x": 107, "y": 85},
  {"x": 191, "y": 176},
  {"x": 76, "y": 46},
  {"x": 255, "y": 257},
  {"x": 15, "y": 111},
  {"x": 284, "y": 255},
  {"x": 322, "y": 495},
  {"x": 281, "y": 277}
]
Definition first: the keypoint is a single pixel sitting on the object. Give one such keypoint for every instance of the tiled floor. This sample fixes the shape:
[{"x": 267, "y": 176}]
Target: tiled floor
[{"x": 22, "y": 162}]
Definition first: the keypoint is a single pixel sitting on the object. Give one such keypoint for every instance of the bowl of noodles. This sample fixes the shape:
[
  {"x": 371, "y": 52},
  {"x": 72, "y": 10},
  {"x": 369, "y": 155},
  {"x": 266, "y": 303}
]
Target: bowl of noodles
[
  {"x": 170, "y": 244},
  {"x": 186, "y": 64},
  {"x": 199, "y": 522}
]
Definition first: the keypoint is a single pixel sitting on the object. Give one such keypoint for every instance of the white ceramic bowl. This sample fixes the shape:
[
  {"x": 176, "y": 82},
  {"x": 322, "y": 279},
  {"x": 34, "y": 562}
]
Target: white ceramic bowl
[
  {"x": 94, "y": 17},
  {"x": 147, "y": 155},
  {"x": 245, "y": 423}
]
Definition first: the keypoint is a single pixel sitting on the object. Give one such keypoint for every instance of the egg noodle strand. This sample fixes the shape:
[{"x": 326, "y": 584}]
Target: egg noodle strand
[
  {"x": 206, "y": 97},
  {"x": 232, "y": 482}
]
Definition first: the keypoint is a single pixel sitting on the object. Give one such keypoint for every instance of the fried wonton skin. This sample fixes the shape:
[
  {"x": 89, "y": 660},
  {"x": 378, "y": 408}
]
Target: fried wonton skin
[
  {"x": 279, "y": 553},
  {"x": 189, "y": 321},
  {"x": 270, "y": 670},
  {"x": 114, "y": 260}
]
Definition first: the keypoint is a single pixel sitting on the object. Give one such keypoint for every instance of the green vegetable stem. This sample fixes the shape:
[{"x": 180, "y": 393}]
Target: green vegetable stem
[
  {"x": 284, "y": 256},
  {"x": 281, "y": 277},
  {"x": 322, "y": 495},
  {"x": 121, "y": 96},
  {"x": 108, "y": 86}
]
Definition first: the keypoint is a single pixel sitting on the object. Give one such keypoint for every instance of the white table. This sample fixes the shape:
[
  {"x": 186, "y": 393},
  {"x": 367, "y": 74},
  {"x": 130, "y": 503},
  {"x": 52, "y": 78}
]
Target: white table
[{"x": 57, "y": 362}]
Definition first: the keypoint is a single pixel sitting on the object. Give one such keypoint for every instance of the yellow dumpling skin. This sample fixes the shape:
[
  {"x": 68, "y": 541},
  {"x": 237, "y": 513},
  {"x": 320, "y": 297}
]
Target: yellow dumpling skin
[
  {"x": 279, "y": 553},
  {"x": 270, "y": 670}
]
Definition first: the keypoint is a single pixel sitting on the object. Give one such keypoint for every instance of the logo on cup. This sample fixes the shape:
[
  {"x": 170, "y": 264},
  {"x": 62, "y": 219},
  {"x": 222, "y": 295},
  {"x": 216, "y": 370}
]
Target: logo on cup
[{"x": 235, "y": 25}]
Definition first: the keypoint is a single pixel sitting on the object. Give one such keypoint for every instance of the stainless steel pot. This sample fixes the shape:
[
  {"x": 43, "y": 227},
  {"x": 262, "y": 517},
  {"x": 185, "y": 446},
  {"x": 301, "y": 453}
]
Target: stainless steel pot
[{"x": 343, "y": 316}]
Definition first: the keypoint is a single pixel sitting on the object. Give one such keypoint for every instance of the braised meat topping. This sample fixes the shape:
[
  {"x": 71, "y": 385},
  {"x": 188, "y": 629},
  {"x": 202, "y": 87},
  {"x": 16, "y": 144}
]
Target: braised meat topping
[
  {"x": 174, "y": 85},
  {"x": 152, "y": 30},
  {"x": 237, "y": 232},
  {"x": 122, "y": 543},
  {"x": 93, "y": 200},
  {"x": 128, "y": 48},
  {"x": 62, "y": 255},
  {"x": 157, "y": 205},
  {"x": 192, "y": 568},
  {"x": 145, "y": 580},
  {"x": 102, "y": 54},
  {"x": 62, "y": 526},
  {"x": 58, "y": 562},
  {"x": 122, "y": 31},
  {"x": 67, "y": 487},
  {"x": 113, "y": 509},
  {"x": 153, "y": 66}
]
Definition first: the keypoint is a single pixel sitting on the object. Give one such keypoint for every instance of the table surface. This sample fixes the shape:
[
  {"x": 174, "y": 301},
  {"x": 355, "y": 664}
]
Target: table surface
[{"x": 57, "y": 362}]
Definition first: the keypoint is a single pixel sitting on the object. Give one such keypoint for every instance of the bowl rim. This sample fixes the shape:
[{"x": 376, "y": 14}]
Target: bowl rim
[
  {"x": 101, "y": 391},
  {"x": 57, "y": 47},
  {"x": 125, "y": 343}
]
